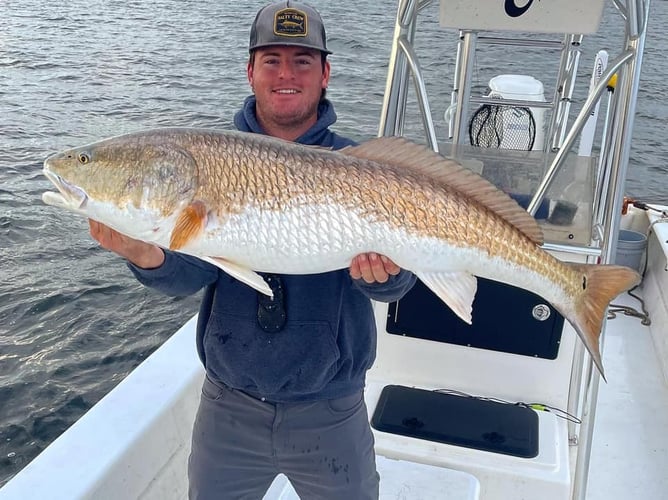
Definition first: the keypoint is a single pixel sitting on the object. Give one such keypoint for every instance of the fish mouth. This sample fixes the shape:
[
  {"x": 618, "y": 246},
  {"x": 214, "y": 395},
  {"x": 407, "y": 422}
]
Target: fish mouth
[{"x": 68, "y": 195}]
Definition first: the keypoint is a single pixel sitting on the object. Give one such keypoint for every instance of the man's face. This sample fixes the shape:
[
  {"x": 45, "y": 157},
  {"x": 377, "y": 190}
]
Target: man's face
[{"x": 287, "y": 82}]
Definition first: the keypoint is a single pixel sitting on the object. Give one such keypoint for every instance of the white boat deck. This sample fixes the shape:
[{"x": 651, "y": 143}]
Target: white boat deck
[
  {"x": 630, "y": 445},
  {"x": 629, "y": 458}
]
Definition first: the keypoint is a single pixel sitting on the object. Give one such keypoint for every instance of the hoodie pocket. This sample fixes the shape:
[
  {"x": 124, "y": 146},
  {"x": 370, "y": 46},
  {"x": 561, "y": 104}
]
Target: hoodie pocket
[{"x": 300, "y": 359}]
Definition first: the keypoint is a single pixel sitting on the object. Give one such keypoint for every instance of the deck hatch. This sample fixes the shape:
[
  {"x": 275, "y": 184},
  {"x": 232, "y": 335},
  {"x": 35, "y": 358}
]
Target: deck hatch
[
  {"x": 504, "y": 320},
  {"x": 458, "y": 420}
]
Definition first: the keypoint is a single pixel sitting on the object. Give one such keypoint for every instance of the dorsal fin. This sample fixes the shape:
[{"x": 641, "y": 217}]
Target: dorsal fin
[{"x": 404, "y": 154}]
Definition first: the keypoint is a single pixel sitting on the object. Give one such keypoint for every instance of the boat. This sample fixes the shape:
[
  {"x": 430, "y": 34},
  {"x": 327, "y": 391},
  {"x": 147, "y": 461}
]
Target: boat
[{"x": 510, "y": 407}]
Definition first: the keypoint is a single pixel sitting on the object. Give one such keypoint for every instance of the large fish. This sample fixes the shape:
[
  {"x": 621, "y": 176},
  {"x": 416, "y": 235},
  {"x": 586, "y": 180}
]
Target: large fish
[{"x": 250, "y": 203}]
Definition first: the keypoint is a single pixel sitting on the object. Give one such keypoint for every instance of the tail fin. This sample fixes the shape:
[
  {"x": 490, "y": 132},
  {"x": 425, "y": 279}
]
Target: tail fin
[{"x": 601, "y": 284}]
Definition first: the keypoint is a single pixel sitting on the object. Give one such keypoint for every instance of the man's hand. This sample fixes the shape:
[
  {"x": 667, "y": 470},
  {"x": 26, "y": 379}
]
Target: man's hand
[
  {"x": 140, "y": 253},
  {"x": 373, "y": 268}
]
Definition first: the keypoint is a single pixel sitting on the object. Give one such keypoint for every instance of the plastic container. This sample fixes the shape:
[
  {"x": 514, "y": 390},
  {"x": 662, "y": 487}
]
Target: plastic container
[
  {"x": 522, "y": 87},
  {"x": 630, "y": 249}
]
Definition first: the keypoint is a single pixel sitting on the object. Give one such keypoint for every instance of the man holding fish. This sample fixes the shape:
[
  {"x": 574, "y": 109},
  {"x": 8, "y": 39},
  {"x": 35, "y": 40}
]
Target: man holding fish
[
  {"x": 284, "y": 374},
  {"x": 286, "y": 351}
]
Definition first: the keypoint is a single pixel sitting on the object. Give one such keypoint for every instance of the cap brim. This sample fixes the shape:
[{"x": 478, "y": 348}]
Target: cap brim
[{"x": 283, "y": 44}]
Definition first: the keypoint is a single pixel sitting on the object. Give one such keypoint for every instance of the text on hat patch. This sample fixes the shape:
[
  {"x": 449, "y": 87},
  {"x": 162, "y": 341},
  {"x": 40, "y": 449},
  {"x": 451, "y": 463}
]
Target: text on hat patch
[{"x": 290, "y": 22}]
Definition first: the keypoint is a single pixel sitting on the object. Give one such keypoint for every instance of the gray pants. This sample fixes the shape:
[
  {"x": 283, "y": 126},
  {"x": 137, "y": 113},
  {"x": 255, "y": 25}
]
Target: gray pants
[{"x": 240, "y": 444}]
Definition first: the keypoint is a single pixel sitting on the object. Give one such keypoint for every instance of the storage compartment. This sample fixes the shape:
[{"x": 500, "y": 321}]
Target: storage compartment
[
  {"x": 505, "y": 318},
  {"x": 470, "y": 422}
]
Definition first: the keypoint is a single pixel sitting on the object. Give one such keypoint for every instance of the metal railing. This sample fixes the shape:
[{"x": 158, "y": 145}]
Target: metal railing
[{"x": 614, "y": 155}]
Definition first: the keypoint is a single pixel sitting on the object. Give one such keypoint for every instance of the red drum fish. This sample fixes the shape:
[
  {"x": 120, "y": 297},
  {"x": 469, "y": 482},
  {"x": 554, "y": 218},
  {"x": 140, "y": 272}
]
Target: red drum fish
[{"x": 249, "y": 203}]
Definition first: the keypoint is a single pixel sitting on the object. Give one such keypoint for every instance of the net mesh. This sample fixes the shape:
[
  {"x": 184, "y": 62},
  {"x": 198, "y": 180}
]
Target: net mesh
[{"x": 507, "y": 127}]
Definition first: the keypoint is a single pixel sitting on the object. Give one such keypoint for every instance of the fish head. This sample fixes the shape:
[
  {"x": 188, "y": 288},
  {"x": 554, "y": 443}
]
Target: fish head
[{"x": 130, "y": 183}]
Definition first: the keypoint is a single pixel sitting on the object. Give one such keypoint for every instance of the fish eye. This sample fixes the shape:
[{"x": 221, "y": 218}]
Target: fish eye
[{"x": 83, "y": 158}]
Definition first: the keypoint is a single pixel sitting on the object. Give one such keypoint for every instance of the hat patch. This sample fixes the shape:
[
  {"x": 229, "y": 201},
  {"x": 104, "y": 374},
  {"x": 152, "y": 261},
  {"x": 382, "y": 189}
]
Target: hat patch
[{"x": 290, "y": 22}]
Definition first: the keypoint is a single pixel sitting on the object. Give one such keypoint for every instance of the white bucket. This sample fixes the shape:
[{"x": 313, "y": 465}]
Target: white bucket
[
  {"x": 522, "y": 87},
  {"x": 630, "y": 249}
]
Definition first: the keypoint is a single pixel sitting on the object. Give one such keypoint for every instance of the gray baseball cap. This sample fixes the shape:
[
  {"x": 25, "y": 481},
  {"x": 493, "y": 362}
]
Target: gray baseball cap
[{"x": 288, "y": 23}]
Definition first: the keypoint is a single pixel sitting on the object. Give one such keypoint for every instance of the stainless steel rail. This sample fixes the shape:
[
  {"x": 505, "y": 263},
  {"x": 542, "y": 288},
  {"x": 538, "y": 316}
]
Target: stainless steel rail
[
  {"x": 575, "y": 130},
  {"x": 626, "y": 96},
  {"x": 615, "y": 149},
  {"x": 402, "y": 57}
]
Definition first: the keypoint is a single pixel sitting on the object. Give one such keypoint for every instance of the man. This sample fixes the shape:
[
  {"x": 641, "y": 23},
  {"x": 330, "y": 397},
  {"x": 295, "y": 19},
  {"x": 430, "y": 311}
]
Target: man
[{"x": 285, "y": 376}]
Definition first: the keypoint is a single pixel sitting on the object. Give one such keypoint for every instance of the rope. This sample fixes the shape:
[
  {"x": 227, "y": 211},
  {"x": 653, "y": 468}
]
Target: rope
[{"x": 630, "y": 311}]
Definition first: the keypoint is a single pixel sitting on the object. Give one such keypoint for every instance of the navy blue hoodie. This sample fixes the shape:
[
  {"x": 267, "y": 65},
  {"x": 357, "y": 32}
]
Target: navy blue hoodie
[
  {"x": 318, "y": 135},
  {"x": 329, "y": 339}
]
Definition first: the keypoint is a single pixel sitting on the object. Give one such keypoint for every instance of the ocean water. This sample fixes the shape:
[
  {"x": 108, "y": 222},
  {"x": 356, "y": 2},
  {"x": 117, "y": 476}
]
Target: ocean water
[{"x": 73, "y": 321}]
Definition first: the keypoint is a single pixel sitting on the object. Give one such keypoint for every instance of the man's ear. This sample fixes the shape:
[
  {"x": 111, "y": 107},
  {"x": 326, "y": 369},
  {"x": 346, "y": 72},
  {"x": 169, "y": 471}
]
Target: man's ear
[
  {"x": 249, "y": 73},
  {"x": 325, "y": 75}
]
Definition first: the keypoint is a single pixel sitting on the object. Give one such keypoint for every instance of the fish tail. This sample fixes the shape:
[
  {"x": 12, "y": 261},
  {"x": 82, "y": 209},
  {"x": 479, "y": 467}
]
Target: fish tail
[{"x": 600, "y": 285}]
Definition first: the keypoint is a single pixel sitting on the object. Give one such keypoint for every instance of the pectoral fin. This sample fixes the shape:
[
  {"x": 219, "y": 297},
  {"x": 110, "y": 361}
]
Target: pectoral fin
[
  {"x": 243, "y": 274},
  {"x": 189, "y": 225},
  {"x": 456, "y": 289}
]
